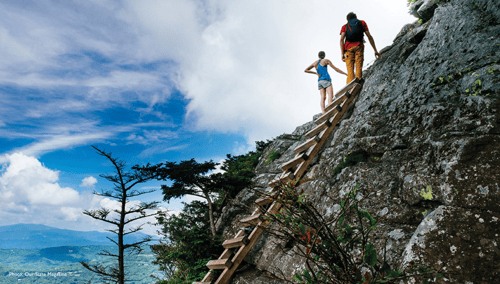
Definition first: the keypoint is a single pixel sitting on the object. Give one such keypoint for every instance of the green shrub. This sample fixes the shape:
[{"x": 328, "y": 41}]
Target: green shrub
[
  {"x": 273, "y": 155},
  {"x": 409, "y": 2},
  {"x": 337, "y": 249},
  {"x": 187, "y": 245}
]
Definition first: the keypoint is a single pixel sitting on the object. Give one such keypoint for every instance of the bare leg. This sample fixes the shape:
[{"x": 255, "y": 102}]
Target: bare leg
[
  {"x": 329, "y": 91},
  {"x": 322, "y": 93}
]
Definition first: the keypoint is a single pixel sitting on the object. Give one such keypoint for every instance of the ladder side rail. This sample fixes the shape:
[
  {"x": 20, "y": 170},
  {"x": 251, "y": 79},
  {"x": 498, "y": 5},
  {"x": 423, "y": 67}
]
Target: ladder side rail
[{"x": 343, "y": 102}]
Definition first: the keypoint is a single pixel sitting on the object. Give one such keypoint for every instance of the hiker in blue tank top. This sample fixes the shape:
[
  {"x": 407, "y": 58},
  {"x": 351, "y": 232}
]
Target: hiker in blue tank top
[{"x": 324, "y": 80}]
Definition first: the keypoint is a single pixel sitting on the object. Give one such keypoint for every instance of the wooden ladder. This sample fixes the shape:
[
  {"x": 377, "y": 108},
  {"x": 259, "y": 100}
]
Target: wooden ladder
[{"x": 236, "y": 249}]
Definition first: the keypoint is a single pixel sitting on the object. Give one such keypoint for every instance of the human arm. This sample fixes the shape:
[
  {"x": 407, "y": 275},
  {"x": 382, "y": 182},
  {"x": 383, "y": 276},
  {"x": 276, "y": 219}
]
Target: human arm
[
  {"x": 313, "y": 65},
  {"x": 342, "y": 42},
  {"x": 372, "y": 42},
  {"x": 335, "y": 68}
]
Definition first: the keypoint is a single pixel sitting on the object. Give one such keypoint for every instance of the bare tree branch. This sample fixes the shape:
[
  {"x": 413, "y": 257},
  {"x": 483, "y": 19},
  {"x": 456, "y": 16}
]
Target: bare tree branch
[{"x": 123, "y": 182}]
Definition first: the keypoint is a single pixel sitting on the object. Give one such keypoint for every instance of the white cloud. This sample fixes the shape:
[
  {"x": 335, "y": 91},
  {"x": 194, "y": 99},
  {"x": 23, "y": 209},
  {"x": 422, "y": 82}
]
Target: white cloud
[
  {"x": 26, "y": 181},
  {"x": 218, "y": 167},
  {"x": 165, "y": 29},
  {"x": 242, "y": 65},
  {"x": 191, "y": 198},
  {"x": 89, "y": 181},
  {"x": 71, "y": 213},
  {"x": 30, "y": 193}
]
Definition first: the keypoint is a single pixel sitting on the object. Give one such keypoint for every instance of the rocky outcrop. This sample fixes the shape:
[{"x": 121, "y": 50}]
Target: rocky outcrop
[{"x": 427, "y": 120}]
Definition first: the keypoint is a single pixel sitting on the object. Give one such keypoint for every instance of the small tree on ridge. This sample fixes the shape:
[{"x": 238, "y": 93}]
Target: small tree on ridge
[
  {"x": 189, "y": 178},
  {"x": 122, "y": 192}
]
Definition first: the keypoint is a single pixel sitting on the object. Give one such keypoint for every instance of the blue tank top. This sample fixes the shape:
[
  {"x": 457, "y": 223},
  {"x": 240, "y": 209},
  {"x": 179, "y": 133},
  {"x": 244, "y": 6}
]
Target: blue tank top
[{"x": 323, "y": 72}]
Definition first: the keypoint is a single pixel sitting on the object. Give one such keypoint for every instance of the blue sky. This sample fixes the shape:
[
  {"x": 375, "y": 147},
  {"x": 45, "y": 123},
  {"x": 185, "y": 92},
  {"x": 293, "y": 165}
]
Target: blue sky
[{"x": 154, "y": 81}]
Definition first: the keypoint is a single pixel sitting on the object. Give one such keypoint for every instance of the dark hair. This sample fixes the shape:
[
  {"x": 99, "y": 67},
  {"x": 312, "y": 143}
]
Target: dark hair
[
  {"x": 351, "y": 16},
  {"x": 321, "y": 54}
]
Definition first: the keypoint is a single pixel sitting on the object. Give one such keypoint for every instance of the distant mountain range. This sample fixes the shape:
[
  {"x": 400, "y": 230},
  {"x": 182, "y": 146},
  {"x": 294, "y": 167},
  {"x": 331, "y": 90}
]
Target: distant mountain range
[
  {"x": 33, "y": 236},
  {"x": 41, "y": 266}
]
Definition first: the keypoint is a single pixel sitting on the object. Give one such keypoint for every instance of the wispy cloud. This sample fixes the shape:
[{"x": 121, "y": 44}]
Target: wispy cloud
[
  {"x": 72, "y": 61},
  {"x": 56, "y": 143},
  {"x": 149, "y": 137},
  {"x": 160, "y": 149},
  {"x": 62, "y": 135}
]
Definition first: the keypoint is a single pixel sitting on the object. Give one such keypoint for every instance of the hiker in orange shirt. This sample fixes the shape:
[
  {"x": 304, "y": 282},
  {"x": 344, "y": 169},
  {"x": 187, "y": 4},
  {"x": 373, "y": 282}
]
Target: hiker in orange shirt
[
  {"x": 352, "y": 47},
  {"x": 324, "y": 80}
]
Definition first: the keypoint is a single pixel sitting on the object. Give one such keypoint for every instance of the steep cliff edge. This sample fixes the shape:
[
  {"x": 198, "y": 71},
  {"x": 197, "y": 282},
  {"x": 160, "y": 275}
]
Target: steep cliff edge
[{"x": 426, "y": 118}]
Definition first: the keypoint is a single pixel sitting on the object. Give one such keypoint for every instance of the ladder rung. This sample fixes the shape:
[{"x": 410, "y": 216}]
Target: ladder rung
[
  {"x": 250, "y": 221},
  {"x": 274, "y": 208},
  {"x": 327, "y": 115},
  {"x": 301, "y": 168},
  {"x": 263, "y": 201},
  {"x": 226, "y": 254},
  {"x": 304, "y": 146},
  {"x": 282, "y": 179},
  {"x": 355, "y": 89},
  {"x": 209, "y": 277},
  {"x": 297, "y": 160},
  {"x": 241, "y": 233},
  {"x": 238, "y": 242},
  {"x": 342, "y": 91},
  {"x": 219, "y": 263},
  {"x": 288, "y": 176},
  {"x": 336, "y": 102},
  {"x": 225, "y": 276},
  {"x": 318, "y": 129},
  {"x": 335, "y": 106}
]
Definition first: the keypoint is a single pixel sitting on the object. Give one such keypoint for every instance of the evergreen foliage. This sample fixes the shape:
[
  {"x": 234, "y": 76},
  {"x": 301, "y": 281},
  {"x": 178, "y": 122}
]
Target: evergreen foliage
[
  {"x": 189, "y": 178},
  {"x": 187, "y": 245},
  {"x": 238, "y": 173}
]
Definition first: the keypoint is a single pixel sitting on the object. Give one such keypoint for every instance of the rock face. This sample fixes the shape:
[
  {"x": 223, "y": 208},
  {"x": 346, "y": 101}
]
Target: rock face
[{"x": 428, "y": 121}]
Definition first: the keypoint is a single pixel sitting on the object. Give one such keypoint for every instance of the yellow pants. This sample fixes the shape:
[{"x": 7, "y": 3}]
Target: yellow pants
[{"x": 354, "y": 56}]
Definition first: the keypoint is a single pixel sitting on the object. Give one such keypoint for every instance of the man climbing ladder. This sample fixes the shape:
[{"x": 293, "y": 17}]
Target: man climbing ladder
[{"x": 352, "y": 47}]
